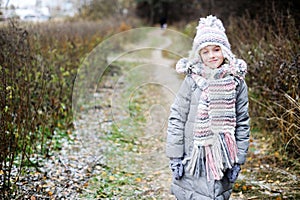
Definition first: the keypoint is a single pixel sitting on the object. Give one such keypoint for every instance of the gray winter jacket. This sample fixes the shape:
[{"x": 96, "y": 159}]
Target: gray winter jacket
[{"x": 180, "y": 140}]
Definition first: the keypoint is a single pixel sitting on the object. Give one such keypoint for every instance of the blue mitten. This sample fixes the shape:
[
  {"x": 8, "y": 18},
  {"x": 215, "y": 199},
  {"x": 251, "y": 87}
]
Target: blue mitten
[
  {"x": 233, "y": 173},
  {"x": 176, "y": 167}
]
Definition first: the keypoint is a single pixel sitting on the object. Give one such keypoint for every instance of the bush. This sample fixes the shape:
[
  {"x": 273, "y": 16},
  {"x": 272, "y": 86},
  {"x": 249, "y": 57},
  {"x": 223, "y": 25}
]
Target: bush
[
  {"x": 18, "y": 110},
  {"x": 38, "y": 66},
  {"x": 272, "y": 52}
]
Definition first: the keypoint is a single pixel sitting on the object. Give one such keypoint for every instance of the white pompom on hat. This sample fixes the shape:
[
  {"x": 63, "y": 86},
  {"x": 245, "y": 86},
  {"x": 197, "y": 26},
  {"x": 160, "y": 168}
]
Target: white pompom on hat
[{"x": 210, "y": 31}]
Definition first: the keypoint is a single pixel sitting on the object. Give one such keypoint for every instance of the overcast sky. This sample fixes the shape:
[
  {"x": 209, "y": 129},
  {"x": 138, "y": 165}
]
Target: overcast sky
[
  {"x": 19, "y": 3},
  {"x": 30, "y": 3}
]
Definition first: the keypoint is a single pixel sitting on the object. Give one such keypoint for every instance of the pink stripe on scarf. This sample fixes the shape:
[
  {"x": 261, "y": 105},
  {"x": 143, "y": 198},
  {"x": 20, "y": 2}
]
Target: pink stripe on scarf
[
  {"x": 210, "y": 164},
  {"x": 231, "y": 146}
]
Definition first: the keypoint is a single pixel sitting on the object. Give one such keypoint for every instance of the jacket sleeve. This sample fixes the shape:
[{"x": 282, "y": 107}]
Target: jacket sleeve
[
  {"x": 242, "y": 133},
  {"x": 177, "y": 119}
]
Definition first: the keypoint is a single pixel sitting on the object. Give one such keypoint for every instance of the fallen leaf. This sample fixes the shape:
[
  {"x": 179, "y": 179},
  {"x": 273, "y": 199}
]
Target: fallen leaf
[
  {"x": 236, "y": 185},
  {"x": 85, "y": 184},
  {"x": 138, "y": 179}
]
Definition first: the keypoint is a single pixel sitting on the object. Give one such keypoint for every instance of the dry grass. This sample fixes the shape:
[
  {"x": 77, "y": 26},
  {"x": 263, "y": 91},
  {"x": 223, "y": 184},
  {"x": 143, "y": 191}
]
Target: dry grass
[
  {"x": 273, "y": 56},
  {"x": 38, "y": 65}
]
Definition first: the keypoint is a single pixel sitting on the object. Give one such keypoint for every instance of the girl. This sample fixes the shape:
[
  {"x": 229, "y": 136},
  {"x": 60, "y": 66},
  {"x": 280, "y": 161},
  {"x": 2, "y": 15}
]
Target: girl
[{"x": 208, "y": 127}]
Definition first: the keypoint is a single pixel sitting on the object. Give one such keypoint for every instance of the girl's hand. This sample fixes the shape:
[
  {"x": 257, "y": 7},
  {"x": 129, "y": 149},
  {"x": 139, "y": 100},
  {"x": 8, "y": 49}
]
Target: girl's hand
[
  {"x": 233, "y": 173},
  {"x": 176, "y": 167}
]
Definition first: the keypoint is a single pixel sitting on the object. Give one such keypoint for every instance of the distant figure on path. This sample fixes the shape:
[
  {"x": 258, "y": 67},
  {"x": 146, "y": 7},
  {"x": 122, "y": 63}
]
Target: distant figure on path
[
  {"x": 208, "y": 127},
  {"x": 163, "y": 22}
]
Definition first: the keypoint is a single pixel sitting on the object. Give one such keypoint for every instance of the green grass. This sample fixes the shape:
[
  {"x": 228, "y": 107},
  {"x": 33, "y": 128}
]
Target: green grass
[{"x": 119, "y": 177}]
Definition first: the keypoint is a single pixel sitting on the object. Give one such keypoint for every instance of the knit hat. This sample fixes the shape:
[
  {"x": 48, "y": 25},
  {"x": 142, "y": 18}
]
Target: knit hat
[{"x": 210, "y": 31}]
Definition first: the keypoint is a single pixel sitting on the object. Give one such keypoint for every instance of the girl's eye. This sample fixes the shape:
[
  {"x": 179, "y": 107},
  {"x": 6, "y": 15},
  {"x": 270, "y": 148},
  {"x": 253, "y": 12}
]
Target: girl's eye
[
  {"x": 204, "y": 52},
  {"x": 217, "y": 49}
]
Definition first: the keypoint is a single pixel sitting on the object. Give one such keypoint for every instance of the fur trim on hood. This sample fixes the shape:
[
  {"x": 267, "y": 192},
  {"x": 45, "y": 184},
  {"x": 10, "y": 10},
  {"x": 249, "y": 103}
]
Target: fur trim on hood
[{"x": 237, "y": 68}]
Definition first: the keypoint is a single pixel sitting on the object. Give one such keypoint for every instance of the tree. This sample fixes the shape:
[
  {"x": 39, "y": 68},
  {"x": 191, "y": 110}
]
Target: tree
[
  {"x": 173, "y": 10},
  {"x": 99, "y": 9},
  {"x": 191, "y": 10}
]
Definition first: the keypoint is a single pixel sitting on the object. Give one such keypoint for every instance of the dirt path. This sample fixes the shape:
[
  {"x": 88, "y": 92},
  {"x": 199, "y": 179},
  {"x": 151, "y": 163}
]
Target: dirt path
[
  {"x": 161, "y": 75},
  {"x": 164, "y": 75}
]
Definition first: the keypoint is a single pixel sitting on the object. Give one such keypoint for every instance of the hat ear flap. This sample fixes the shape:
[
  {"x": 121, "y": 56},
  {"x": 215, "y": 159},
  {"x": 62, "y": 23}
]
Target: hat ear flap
[
  {"x": 194, "y": 56},
  {"x": 228, "y": 55}
]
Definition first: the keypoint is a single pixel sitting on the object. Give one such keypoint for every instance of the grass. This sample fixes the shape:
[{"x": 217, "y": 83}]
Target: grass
[{"x": 119, "y": 177}]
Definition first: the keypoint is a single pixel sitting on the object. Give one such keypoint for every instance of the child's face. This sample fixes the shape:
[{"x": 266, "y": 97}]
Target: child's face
[{"x": 212, "y": 56}]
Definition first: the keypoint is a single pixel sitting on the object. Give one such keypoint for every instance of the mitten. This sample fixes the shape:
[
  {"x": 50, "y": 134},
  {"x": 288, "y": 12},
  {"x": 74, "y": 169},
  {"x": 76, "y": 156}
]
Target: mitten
[
  {"x": 176, "y": 167},
  {"x": 233, "y": 173}
]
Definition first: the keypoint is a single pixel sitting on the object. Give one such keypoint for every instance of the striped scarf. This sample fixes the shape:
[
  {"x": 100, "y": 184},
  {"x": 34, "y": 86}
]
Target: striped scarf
[
  {"x": 214, "y": 145},
  {"x": 214, "y": 128}
]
